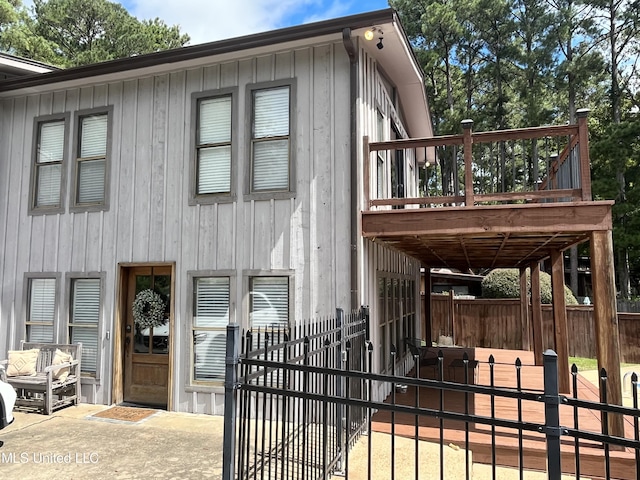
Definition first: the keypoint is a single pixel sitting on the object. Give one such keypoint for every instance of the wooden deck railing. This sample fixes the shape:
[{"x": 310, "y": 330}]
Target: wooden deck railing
[{"x": 528, "y": 165}]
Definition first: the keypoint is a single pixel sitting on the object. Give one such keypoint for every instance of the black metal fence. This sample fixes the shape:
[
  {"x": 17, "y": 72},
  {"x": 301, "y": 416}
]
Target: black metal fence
[{"x": 300, "y": 400}]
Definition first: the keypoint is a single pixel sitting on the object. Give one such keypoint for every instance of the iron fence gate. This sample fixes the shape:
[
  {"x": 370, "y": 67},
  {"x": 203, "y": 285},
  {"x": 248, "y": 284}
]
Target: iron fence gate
[{"x": 299, "y": 404}]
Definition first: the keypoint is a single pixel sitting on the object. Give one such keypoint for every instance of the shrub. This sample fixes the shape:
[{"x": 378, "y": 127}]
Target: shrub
[{"x": 505, "y": 283}]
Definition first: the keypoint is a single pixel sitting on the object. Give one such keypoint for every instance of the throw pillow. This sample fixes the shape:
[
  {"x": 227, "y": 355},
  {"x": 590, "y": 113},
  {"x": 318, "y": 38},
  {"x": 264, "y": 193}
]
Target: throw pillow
[
  {"x": 59, "y": 358},
  {"x": 22, "y": 362}
]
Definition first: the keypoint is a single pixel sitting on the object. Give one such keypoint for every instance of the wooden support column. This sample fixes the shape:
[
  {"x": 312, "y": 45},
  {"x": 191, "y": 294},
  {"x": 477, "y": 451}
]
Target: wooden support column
[
  {"x": 524, "y": 310},
  {"x": 467, "y": 125},
  {"x": 426, "y": 332},
  {"x": 452, "y": 315},
  {"x": 560, "y": 330},
  {"x": 536, "y": 313},
  {"x": 606, "y": 321}
]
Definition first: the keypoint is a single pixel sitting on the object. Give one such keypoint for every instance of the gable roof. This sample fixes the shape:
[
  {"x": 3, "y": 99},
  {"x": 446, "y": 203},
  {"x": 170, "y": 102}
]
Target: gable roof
[
  {"x": 396, "y": 59},
  {"x": 18, "y": 66}
]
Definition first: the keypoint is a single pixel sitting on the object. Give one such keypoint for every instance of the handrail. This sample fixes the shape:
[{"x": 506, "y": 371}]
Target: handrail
[{"x": 545, "y": 187}]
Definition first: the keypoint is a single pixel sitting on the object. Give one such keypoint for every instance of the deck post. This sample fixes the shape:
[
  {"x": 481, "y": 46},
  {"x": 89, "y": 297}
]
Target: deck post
[
  {"x": 467, "y": 126},
  {"x": 230, "y": 385},
  {"x": 606, "y": 321},
  {"x": 366, "y": 173},
  {"x": 536, "y": 312},
  {"x": 560, "y": 329},
  {"x": 524, "y": 310},
  {"x": 585, "y": 164},
  {"x": 426, "y": 334}
]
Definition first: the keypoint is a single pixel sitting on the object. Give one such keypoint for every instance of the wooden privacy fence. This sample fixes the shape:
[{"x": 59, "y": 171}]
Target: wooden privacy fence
[{"x": 497, "y": 323}]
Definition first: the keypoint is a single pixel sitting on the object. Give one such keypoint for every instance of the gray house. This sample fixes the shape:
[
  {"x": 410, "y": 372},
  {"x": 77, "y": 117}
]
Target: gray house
[{"x": 147, "y": 202}]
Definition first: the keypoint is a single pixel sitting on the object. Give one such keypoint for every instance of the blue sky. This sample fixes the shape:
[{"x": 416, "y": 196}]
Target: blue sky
[{"x": 209, "y": 20}]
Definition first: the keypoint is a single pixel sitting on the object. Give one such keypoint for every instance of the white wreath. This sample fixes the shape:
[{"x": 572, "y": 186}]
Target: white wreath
[{"x": 148, "y": 309}]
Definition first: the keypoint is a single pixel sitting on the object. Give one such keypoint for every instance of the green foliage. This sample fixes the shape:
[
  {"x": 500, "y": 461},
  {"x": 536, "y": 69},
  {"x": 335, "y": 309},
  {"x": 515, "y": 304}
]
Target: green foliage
[
  {"x": 69, "y": 33},
  {"x": 505, "y": 283}
]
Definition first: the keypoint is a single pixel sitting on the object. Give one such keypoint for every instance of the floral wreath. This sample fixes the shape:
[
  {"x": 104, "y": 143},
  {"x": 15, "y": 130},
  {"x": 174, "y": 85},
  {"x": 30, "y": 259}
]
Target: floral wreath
[{"x": 148, "y": 309}]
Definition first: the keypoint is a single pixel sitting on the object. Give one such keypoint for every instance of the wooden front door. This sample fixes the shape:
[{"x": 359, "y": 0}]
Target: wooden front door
[{"x": 146, "y": 349}]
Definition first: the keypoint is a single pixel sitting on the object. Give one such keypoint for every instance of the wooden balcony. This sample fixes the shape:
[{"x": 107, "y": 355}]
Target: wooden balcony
[
  {"x": 500, "y": 199},
  {"x": 488, "y": 199}
]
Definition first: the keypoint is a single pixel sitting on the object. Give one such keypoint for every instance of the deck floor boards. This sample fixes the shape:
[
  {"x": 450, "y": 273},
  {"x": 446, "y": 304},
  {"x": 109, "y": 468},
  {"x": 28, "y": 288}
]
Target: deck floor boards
[{"x": 506, "y": 440}]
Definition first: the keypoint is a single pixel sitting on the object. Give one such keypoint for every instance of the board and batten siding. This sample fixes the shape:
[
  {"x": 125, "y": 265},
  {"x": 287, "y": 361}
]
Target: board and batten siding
[
  {"x": 149, "y": 218},
  {"x": 376, "y": 258}
]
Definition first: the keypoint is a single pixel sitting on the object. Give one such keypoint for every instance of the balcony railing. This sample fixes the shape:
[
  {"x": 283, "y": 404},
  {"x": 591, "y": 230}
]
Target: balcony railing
[{"x": 528, "y": 165}]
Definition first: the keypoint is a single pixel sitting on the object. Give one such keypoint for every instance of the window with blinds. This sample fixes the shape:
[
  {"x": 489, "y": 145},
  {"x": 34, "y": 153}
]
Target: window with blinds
[
  {"x": 213, "y": 146},
  {"x": 270, "y": 168},
  {"x": 41, "y": 310},
  {"x": 48, "y": 163},
  {"x": 269, "y": 302},
  {"x": 91, "y": 159},
  {"x": 84, "y": 317},
  {"x": 210, "y": 320}
]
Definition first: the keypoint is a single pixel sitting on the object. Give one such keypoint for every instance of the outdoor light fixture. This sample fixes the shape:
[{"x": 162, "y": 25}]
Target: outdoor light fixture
[{"x": 372, "y": 32}]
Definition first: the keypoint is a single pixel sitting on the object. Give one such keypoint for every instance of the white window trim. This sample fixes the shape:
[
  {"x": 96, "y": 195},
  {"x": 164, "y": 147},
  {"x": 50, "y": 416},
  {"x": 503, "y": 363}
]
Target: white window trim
[
  {"x": 200, "y": 385},
  {"x": 69, "y": 278},
  {"x": 211, "y": 198},
  {"x": 34, "y": 209},
  {"x": 249, "y": 114},
  {"x": 74, "y": 206}
]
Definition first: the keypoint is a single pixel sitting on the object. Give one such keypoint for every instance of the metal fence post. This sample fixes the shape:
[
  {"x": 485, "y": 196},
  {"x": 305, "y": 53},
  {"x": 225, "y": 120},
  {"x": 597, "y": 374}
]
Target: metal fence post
[
  {"x": 341, "y": 420},
  {"x": 365, "y": 313},
  {"x": 230, "y": 382},
  {"x": 552, "y": 414}
]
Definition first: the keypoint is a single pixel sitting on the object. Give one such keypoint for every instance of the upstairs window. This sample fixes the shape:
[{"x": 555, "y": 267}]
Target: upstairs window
[
  {"x": 48, "y": 168},
  {"x": 91, "y": 164},
  {"x": 213, "y": 146},
  {"x": 270, "y": 140}
]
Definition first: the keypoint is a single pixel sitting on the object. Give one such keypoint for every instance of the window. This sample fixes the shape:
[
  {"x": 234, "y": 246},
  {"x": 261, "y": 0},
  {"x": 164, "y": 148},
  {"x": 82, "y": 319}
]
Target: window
[
  {"x": 210, "y": 319},
  {"x": 91, "y": 164},
  {"x": 41, "y": 310},
  {"x": 84, "y": 318},
  {"x": 48, "y": 169},
  {"x": 213, "y": 145},
  {"x": 269, "y": 302},
  {"x": 271, "y": 140}
]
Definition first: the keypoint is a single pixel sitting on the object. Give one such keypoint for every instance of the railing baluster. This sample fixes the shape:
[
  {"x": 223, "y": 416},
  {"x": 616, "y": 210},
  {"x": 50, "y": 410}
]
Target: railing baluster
[{"x": 493, "y": 416}]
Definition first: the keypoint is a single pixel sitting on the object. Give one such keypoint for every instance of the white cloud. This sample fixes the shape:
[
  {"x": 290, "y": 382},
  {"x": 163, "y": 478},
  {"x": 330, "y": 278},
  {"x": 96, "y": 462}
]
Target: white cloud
[{"x": 206, "y": 20}]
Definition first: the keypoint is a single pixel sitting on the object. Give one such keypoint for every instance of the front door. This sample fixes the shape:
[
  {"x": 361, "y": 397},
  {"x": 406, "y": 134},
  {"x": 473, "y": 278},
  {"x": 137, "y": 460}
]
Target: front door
[{"x": 147, "y": 335}]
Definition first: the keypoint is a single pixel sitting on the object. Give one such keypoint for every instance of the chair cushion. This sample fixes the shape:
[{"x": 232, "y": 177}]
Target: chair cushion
[
  {"x": 59, "y": 358},
  {"x": 22, "y": 362}
]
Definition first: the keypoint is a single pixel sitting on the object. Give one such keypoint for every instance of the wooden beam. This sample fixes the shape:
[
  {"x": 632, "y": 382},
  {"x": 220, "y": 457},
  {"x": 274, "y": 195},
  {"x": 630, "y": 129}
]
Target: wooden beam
[
  {"x": 487, "y": 219},
  {"x": 524, "y": 309},
  {"x": 536, "y": 312},
  {"x": 560, "y": 329},
  {"x": 606, "y": 321}
]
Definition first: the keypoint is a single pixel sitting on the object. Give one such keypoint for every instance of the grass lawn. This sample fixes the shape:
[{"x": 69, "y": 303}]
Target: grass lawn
[{"x": 587, "y": 363}]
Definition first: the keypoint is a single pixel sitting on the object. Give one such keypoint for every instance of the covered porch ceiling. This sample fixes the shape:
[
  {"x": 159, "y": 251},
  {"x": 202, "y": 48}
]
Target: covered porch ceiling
[{"x": 486, "y": 236}]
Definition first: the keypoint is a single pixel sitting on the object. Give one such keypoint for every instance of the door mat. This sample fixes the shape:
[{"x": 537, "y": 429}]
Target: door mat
[{"x": 125, "y": 414}]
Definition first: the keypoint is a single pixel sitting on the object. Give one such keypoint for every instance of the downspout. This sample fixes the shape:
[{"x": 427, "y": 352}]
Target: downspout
[{"x": 350, "y": 48}]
